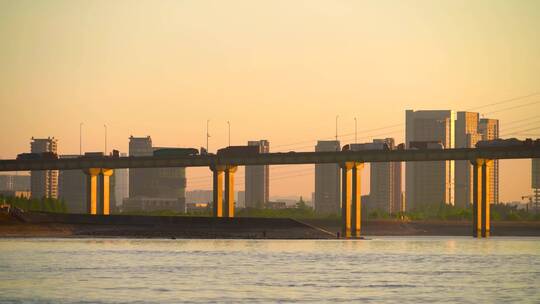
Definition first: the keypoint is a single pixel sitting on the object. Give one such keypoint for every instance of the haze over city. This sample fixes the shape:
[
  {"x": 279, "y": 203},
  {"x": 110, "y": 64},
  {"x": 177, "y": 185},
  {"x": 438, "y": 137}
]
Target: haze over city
[
  {"x": 279, "y": 71},
  {"x": 250, "y": 151}
]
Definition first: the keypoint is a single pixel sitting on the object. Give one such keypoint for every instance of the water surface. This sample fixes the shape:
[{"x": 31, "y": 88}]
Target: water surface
[{"x": 414, "y": 270}]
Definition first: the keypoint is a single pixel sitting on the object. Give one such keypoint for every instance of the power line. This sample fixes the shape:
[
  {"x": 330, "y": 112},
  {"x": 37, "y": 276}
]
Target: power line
[
  {"x": 514, "y": 107},
  {"x": 524, "y": 130},
  {"x": 504, "y": 101}
]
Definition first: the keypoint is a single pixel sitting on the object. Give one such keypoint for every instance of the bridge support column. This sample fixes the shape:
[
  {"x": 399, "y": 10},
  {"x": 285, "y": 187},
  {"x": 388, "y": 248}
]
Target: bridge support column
[
  {"x": 228, "y": 208},
  {"x": 223, "y": 207},
  {"x": 94, "y": 204},
  {"x": 91, "y": 189},
  {"x": 481, "y": 204},
  {"x": 351, "y": 204},
  {"x": 104, "y": 194}
]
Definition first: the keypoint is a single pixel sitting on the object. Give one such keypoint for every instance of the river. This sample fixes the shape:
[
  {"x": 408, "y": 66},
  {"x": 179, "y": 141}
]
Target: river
[{"x": 385, "y": 269}]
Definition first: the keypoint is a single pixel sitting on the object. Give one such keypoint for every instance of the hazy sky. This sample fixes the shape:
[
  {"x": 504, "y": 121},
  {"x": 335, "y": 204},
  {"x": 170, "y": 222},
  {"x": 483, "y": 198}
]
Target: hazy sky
[{"x": 278, "y": 70}]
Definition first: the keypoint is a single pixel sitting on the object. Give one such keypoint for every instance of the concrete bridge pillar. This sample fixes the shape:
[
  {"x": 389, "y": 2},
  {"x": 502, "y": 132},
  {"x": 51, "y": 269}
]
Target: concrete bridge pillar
[
  {"x": 223, "y": 207},
  {"x": 351, "y": 204},
  {"x": 481, "y": 205},
  {"x": 104, "y": 195},
  {"x": 93, "y": 176},
  {"x": 91, "y": 189}
]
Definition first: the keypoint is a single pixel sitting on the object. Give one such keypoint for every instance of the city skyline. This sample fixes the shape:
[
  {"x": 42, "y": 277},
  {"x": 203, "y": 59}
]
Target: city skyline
[{"x": 193, "y": 62}]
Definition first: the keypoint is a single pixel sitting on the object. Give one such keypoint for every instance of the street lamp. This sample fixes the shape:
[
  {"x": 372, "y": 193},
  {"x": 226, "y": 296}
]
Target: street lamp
[
  {"x": 105, "y": 126},
  {"x": 207, "y": 134},
  {"x": 355, "y": 131},
  {"x": 229, "y": 123},
  {"x": 337, "y": 116},
  {"x": 80, "y": 138}
]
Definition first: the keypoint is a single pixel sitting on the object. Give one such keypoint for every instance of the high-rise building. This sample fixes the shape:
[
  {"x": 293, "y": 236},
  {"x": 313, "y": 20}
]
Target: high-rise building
[
  {"x": 44, "y": 183},
  {"x": 489, "y": 130},
  {"x": 429, "y": 182},
  {"x": 470, "y": 129},
  {"x": 121, "y": 184},
  {"x": 467, "y": 135},
  {"x": 257, "y": 179},
  {"x": 155, "y": 188},
  {"x": 385, "y": 178},
  {"x": 168, "y": 182},
  {"x": 327, "y": 181},
  {"x": 241, "y": 199},
  {"x": 535, "y": 181},
  {"x": 140, "y": 180},
  {"x": 72, "y": 188},
  {"x": 14, "y": 183}
]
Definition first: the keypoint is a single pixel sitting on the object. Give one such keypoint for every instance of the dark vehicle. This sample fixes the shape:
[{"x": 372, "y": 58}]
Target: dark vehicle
[
  {"x": 174, "y": 152},
  {"x": 93, "y": 155},
  {"x": 366, "y": 147},
  {"x": 239, "y": 151},
  {"x": 32, "y": 156}
]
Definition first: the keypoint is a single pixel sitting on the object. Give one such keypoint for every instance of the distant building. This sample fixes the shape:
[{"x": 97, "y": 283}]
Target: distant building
[
  {"x": 14, "y": 182},
  {"x": 155, "y": 187},
  {"x": 15, "y": 193},
  {"x": 72, "y": 188},
  {"x": 241, "y": 199},
  {"x": 470, "y": 129},
  {"x": 140, "y": 180},
  {"x": 257, "y": 184},
  {"x": 197, "y": 207},
  {"x": 535, "y": 182},
  {"x": 385, "y": 178},
  {"x": 489, "y": 130},
  {"x": 199, "y": 196},
  {"x": 44, "y": 183},
  {"x": 327, "y": 181},
  {"x": 467, "y": 135},
  {"x": 276, "y": 205},
  {"x": 121, "y": 184},
  {"x": 429, "y": 182},
  {"x": 153, "y": 204}
]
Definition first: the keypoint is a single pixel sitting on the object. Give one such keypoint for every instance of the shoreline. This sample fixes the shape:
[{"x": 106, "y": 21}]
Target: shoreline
[{"x": 45, "y": 225}]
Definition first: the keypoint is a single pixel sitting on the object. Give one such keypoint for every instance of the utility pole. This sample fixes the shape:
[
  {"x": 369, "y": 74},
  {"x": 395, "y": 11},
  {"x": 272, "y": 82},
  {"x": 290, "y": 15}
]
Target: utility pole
[{"x": 80, "y": 138}]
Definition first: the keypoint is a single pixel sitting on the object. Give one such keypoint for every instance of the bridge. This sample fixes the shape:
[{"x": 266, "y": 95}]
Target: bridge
[{"x": 224, "y": 167}]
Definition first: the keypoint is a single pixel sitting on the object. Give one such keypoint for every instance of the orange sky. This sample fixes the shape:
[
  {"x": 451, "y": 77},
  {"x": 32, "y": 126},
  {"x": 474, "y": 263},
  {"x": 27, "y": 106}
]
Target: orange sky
[{"x": 278, "y": 70}]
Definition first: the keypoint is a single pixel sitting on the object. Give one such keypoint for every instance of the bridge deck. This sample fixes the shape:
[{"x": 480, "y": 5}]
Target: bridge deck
[{"x": 289, "y": 158}]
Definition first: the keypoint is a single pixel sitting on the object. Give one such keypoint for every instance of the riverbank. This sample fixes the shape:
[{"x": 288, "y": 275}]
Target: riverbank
[
  {"x": 40, "y": 224},
  {"x": 431, "y": 227},
  {"x": 37, "y": 224}
]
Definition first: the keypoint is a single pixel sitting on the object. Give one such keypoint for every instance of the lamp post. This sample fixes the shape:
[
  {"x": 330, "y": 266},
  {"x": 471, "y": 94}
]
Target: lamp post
[
  {"x": 337, "y": 116},
  {"x": 229, "y": 124},
  {"x": 80, "y": 138},
  {"x": 207, "y": 134},
  {"x": 355, "y": 131},
  {"x": 105, "y": 126}
]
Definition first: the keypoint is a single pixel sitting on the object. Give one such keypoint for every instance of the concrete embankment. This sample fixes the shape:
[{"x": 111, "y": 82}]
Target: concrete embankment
[
  {"x": 39, "y": 224},
  {"x": 431, "y": 228}
]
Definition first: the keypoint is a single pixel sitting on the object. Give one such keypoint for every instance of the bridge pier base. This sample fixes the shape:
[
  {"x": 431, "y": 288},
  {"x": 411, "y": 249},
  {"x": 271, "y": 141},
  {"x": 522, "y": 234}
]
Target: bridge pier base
[
  {"x": 223, "y": 207},
  {"x": 481, "y": 205},
  {"x": 93, "y": 176},
  {"x": 351, "y": 204}
]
